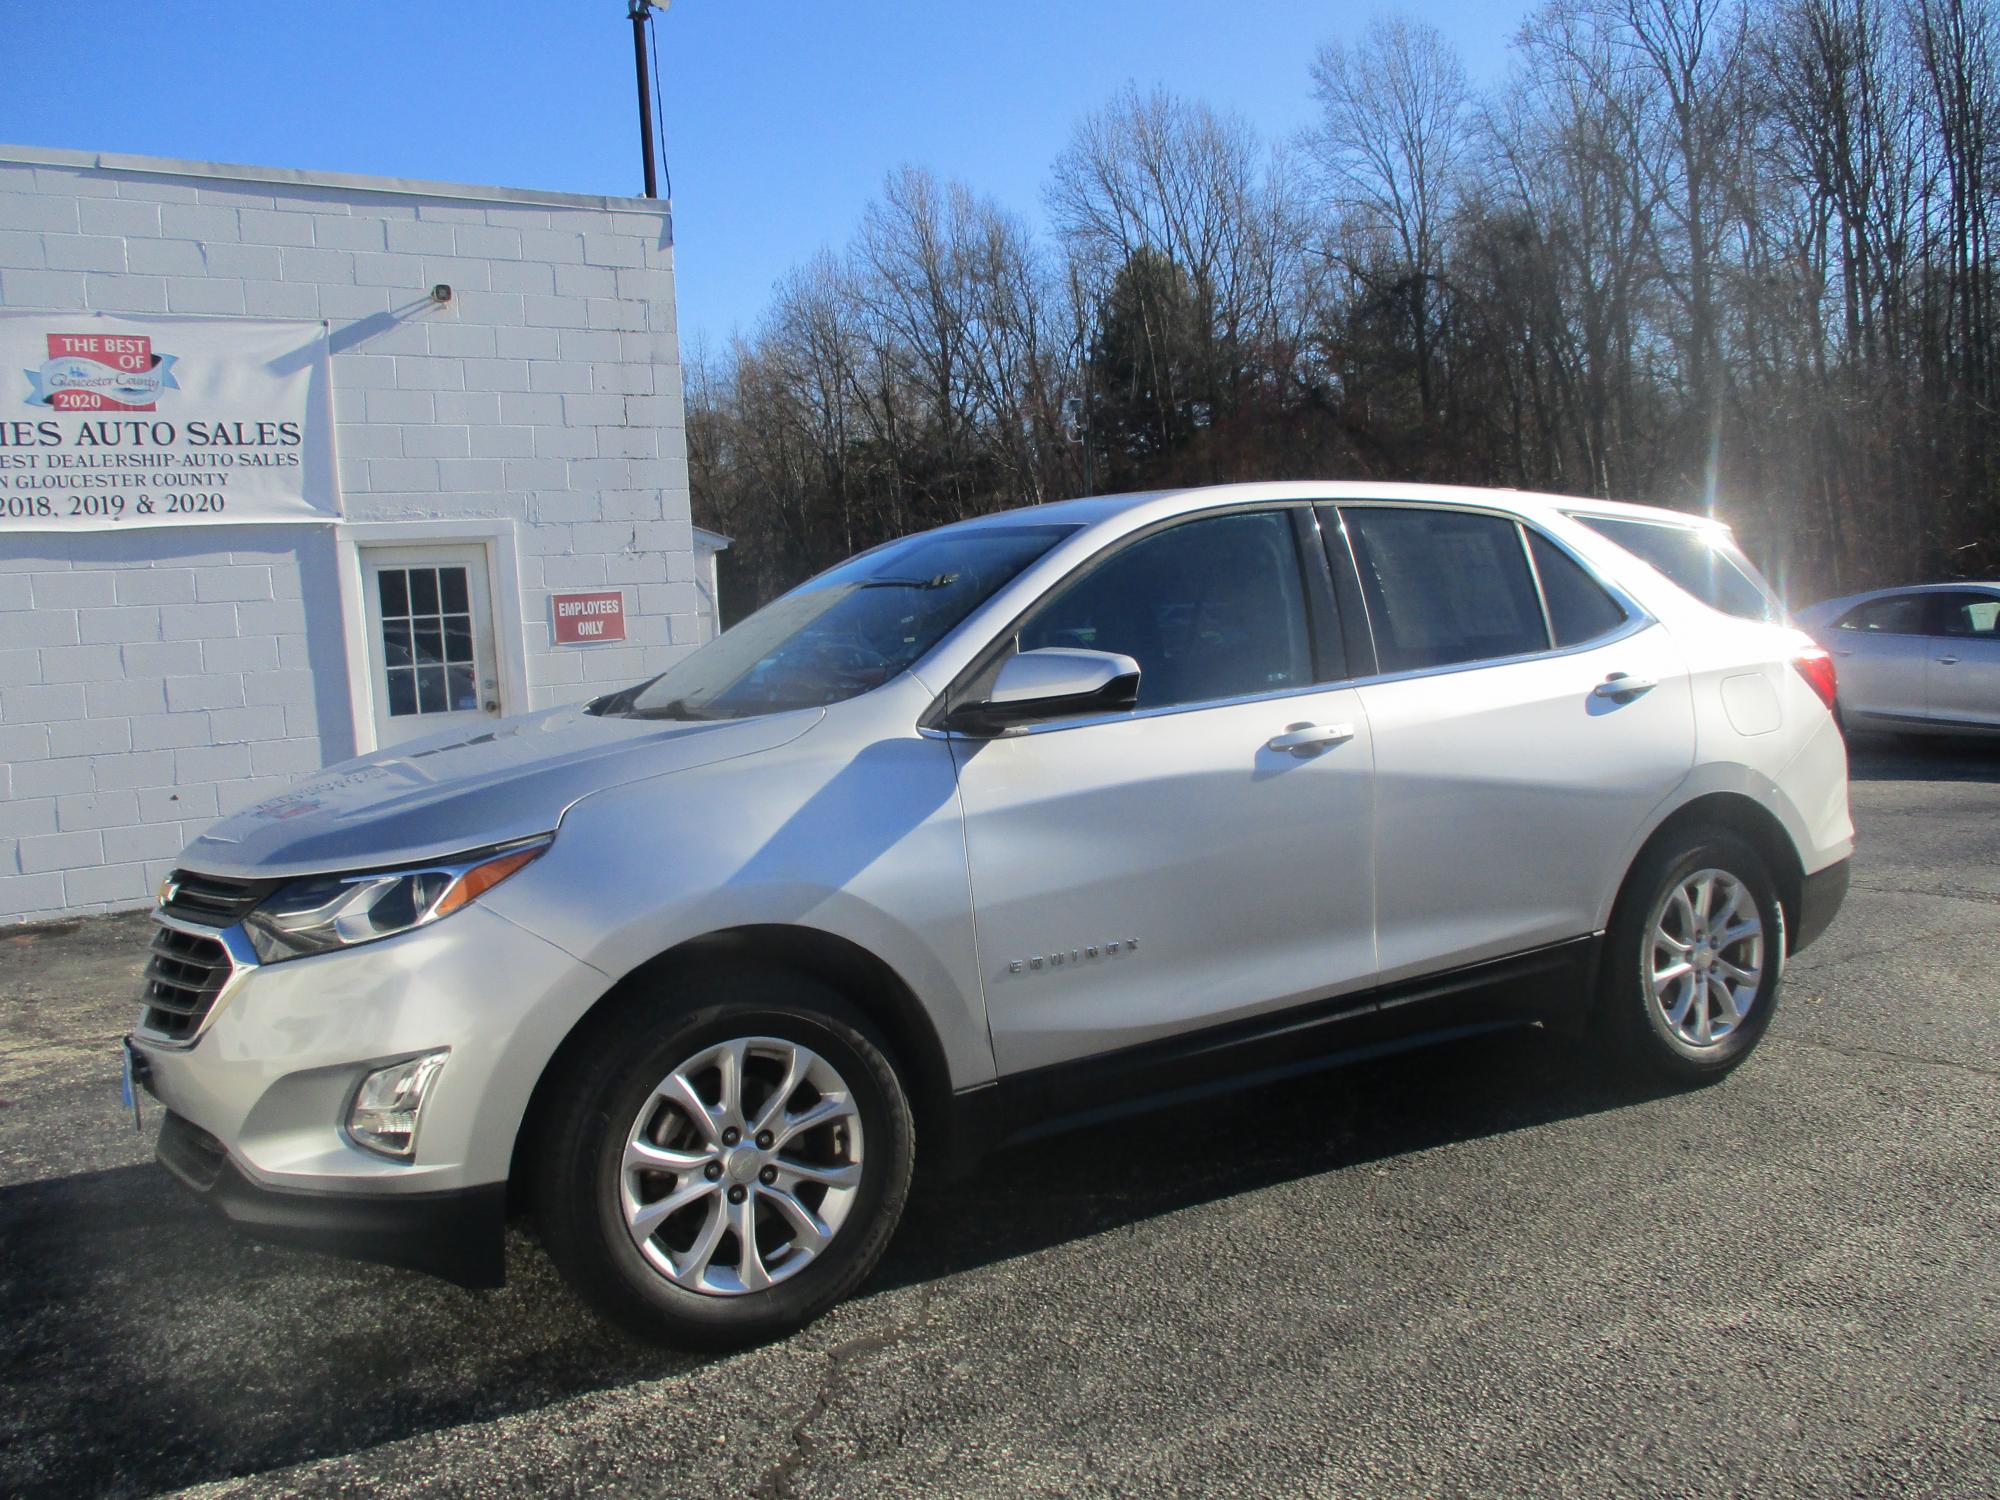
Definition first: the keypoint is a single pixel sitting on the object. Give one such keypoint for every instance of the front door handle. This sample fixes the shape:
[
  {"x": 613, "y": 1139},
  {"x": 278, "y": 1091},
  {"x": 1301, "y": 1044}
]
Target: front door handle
[
  {"x": 1308, "y": 739},
  {"x": 1621, "y": 685},
  {"x": 1947, "y": 661}
]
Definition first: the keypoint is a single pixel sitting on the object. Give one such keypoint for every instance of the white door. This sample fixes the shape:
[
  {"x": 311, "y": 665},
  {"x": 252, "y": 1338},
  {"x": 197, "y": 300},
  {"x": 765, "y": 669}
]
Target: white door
[
  {"x": 1505, "y": 793},
  {"x": 431, "y": 663},
  {"x": 1143, "y": 874}
]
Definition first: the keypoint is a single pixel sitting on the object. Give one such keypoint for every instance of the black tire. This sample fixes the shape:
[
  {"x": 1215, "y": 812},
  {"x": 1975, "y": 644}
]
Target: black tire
[
  {"x": 1634, "y": 1028},
  {"x": 610, "y": 1076}
]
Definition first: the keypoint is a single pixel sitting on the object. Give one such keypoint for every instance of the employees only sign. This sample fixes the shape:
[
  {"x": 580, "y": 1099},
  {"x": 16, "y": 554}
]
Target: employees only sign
[
  {"x": 586, "y": 619},
  {"x": 111, "y": 422}
]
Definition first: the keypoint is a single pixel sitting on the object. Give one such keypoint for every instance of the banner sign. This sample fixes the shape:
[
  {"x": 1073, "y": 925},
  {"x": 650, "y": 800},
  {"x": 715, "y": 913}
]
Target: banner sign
[
  {"x": 587, "y": 619},
  {"x": 113, "y": 422}
]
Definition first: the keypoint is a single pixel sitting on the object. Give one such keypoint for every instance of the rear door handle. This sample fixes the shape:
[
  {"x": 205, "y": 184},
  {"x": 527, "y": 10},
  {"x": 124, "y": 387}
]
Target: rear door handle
[
  {"x": 1948, "y": 661},
  {"x": 1843, "y": 651},
  {"x": 1623, "y": 685},
  {"x": 1306, "y": 739}
]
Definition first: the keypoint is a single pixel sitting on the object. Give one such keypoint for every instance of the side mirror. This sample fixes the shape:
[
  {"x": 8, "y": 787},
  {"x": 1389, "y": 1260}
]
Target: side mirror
[{"x": 1052, "y": 683}]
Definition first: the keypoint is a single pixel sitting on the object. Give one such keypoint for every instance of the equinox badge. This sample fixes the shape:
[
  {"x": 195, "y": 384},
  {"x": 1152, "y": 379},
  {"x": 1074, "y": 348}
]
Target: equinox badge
[{"x": 1062, "y": 956}]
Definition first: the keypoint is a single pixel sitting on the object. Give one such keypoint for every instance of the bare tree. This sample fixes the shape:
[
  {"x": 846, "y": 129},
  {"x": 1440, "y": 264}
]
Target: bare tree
[
  {"x": 1395, "y": 119},
  {"x": 1689, "y": 251}
]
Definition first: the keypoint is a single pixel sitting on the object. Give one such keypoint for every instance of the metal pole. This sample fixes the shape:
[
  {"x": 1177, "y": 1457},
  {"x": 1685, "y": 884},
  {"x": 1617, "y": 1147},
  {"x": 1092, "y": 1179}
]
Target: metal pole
[{"x": 636, "y": 12}]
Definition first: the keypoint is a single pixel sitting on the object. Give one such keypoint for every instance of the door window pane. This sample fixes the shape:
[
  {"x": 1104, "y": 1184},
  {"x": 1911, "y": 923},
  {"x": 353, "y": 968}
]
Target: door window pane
[
  {"x": 402, "y": 691},
  {"x": 1579, "y": 608},
  {"x": 430, "y": 691},
  {"x": 1209, "y": 609},
  {"x": 1444, "y": 587},
  {"x": 1902, "y": 615},
  {"x": 426, "y": 624},
  {"x": 1968, "y": 614}
]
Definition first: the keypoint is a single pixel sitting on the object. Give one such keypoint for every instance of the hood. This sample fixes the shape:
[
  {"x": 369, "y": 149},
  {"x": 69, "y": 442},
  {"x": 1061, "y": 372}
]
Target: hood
[{"x": 453, "y": 792}]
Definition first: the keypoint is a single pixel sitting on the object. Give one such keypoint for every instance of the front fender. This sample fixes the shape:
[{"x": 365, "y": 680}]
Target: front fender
[{"x": 825, "y": 834}]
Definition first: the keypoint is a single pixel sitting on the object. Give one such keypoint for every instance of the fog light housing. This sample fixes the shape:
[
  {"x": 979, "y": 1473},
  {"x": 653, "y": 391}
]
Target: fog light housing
[{"x": 388, "y": 1107}]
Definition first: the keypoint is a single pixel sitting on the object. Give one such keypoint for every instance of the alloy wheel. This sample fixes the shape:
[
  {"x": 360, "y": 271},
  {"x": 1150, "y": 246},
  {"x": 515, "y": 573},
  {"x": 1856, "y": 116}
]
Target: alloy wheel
[
  {"x": 741, "y": 1166},
  {"x": 1705, "y": 956}
]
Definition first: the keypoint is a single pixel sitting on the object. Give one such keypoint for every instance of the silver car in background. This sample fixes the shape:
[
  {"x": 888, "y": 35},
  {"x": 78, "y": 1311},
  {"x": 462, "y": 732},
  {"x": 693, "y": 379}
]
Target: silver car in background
[
  {"x": 992, "y": 831},
  {"x": 1920, "y": 659}
]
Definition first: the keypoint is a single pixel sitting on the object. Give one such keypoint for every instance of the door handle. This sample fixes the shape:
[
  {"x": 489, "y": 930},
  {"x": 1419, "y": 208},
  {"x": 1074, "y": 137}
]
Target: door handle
[
  {"x": 1623, "y": 685},
  {"x": 1843, "y": 650},
  {"x": 1948, "y": 661},
  {"x": 1306, "y": 739}
]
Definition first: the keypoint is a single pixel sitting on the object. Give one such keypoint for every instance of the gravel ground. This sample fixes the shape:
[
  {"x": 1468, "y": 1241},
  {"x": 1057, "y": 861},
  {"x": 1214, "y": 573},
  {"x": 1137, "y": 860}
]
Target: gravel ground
[{"x": 1478, "y": 1270}]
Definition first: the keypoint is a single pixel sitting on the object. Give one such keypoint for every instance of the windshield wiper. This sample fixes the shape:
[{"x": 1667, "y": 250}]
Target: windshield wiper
[
  {"x": 614, "y": 705},
  {"x": 940, "y": 581},
  {"x": 675, "y": 708}
]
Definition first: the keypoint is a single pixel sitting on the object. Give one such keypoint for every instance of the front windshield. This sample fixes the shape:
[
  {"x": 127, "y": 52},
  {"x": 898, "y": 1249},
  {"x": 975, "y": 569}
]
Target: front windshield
[{"x": 844, "y": 632}]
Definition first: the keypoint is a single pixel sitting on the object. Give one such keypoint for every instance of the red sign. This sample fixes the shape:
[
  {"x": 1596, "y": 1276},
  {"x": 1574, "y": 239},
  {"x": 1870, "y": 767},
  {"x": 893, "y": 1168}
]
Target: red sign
[
  {"x": 586, "y": 619},
  {"x": 101, "y": 372}
]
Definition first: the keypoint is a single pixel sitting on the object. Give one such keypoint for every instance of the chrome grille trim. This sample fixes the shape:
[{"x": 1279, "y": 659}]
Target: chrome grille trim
[
  {"x": 193, "y": 970},
  {"x": 213, "y": 900}
]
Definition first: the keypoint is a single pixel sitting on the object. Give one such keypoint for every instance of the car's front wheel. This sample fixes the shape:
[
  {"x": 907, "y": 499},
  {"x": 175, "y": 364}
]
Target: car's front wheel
[
  {"x": 722, "y": 1171},
  {"x": 1693, "y": 959}
]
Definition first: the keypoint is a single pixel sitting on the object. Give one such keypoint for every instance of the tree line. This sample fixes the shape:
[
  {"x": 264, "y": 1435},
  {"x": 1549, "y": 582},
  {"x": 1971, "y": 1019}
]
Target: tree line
[{"x": 1704, "y": 253}]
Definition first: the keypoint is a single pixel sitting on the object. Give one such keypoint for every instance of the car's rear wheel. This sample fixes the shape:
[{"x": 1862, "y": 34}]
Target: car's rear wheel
[
  {"x": 1693, "y": 959},
  {"x": 722, "y": 1171}
]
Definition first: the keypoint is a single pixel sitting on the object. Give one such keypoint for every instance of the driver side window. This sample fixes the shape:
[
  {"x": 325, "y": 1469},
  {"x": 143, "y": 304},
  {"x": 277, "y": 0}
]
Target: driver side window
[{"x": 1210, "y": 609}]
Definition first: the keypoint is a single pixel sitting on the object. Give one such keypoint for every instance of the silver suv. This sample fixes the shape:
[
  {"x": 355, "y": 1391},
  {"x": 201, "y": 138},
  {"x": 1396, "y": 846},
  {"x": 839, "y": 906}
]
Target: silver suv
[{"x": 1028, "y": 818}]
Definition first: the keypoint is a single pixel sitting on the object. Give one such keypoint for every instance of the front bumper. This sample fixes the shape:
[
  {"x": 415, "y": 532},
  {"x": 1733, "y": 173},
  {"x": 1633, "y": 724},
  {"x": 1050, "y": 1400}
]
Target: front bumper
[
  {"x": 453, "y": 1234},
  {"x": 257, "y": 1104}
]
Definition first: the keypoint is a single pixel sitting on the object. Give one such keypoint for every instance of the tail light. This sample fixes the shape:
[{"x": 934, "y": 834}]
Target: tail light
[{"x": 1816, "y": 666}]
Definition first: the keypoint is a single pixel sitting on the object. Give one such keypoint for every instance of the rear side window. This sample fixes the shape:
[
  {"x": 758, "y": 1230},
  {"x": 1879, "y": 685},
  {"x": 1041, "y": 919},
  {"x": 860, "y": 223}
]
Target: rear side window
[
  {"x": 1705, "y": 563},
  {"x": 1444, "y": 587},
  {"x": 1902, "y": 615},
  {"x": 1579, "y": 608},
  {"x": 1968, "y": 614}
]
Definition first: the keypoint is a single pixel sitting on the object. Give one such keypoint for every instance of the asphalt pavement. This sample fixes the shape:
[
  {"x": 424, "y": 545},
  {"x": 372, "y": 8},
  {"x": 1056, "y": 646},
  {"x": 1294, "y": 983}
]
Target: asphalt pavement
[{"x": 1481, "y": 1270}]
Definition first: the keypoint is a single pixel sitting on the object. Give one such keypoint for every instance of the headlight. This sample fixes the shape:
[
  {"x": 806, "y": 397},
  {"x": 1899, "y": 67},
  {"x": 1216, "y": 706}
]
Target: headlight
[{"x": 324, "y": 912}]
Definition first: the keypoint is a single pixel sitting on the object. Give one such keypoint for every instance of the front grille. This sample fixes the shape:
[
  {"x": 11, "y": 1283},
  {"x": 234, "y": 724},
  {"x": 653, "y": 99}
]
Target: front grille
[
  {"x": 213, "y": 900},
  {"x": 187, "y": 971}
]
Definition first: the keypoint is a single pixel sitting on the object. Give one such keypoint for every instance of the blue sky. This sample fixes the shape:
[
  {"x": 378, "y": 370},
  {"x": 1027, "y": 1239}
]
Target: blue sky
[{"x": 782, "y": 115}]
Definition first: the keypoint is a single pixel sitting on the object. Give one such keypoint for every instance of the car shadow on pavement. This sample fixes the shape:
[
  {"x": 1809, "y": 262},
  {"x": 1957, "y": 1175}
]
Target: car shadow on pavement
[
  {"x": 151, "y": 1346},
  {"x": 1879, "y": 757}
]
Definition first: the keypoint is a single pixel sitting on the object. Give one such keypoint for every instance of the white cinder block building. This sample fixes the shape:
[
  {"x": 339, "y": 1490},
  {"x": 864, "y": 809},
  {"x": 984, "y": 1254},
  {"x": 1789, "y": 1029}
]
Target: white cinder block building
[{"x": 295, "y": 466}]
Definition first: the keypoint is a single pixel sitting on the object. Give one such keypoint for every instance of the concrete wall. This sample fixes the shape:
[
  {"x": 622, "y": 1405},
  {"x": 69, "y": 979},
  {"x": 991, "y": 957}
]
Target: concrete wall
[{"x": 150, "y": 680}]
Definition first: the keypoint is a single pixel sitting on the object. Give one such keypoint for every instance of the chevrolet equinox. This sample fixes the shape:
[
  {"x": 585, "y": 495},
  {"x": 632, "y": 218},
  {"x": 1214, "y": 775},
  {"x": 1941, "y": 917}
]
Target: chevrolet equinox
[{"x": 1017, "y": 821}]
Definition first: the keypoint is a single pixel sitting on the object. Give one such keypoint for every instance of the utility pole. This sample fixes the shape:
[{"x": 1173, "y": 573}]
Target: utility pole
[{"x": 637, "y": 12}]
